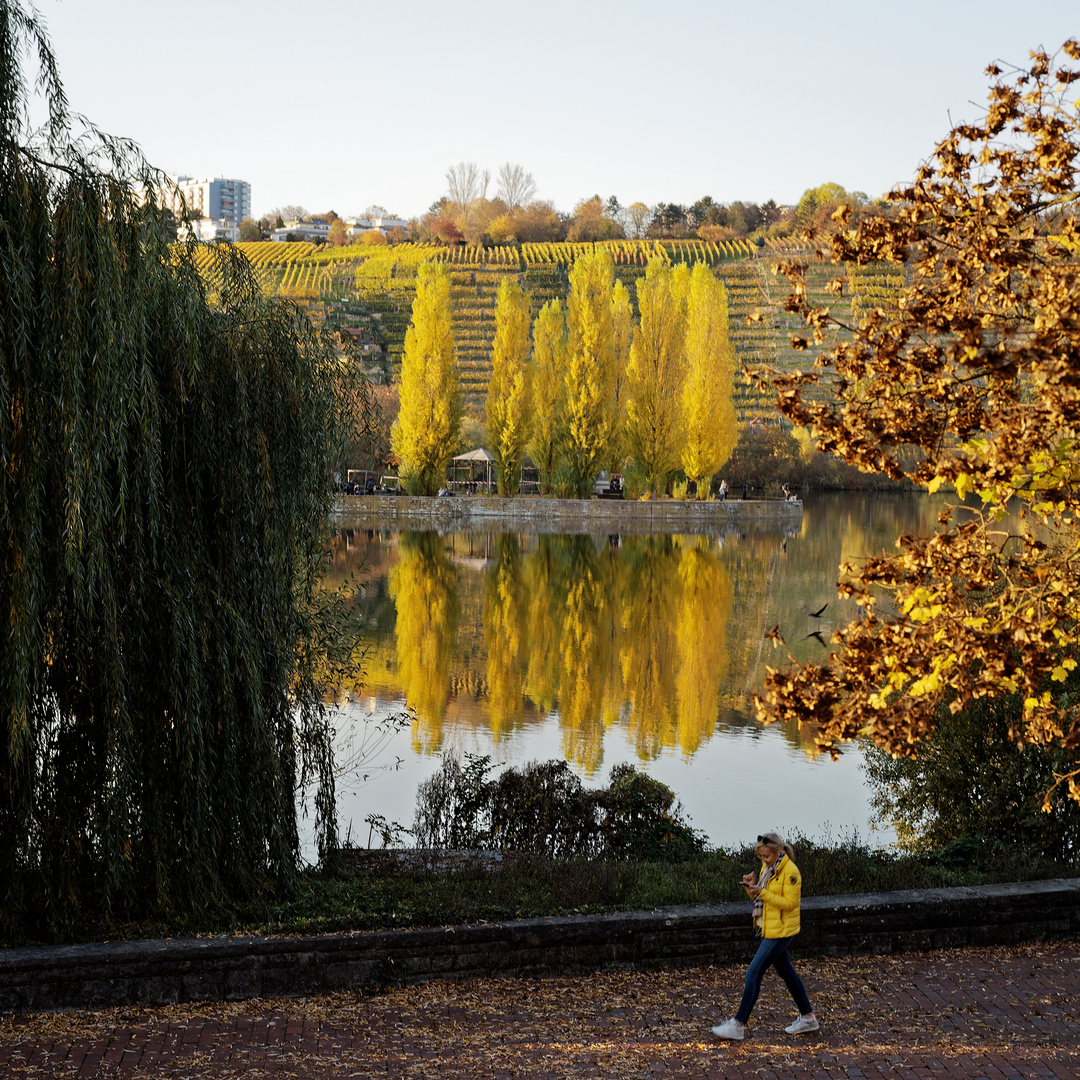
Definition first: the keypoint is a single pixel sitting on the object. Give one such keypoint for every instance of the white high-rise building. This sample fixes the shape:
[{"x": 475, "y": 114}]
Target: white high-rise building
[{"x": 217, "y": 199}]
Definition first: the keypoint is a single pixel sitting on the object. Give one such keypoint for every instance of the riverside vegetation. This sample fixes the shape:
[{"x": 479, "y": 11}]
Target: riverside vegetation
[{"x": 538, "y": 844}]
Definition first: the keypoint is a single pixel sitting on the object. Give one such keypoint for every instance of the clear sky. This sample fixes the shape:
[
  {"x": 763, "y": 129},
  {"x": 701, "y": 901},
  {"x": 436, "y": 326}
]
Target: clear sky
[{"x": 338, "y": 104}]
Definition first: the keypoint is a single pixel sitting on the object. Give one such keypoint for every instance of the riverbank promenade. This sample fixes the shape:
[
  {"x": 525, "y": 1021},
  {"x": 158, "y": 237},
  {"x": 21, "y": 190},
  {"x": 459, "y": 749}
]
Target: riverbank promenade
[{"x": 999, "y": 1013}]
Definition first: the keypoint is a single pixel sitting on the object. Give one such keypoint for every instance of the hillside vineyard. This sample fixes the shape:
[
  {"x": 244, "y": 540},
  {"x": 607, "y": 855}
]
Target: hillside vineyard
[{"x": 369, "y": 291}]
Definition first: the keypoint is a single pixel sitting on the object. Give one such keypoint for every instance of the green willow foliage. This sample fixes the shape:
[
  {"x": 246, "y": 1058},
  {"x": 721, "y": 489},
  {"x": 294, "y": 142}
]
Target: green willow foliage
[{"x": 164, "y": 486}]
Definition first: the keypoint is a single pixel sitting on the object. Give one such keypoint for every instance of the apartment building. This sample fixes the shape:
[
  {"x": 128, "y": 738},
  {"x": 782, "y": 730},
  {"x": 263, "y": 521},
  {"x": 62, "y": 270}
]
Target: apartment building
[{"x": 218, "y": 204}]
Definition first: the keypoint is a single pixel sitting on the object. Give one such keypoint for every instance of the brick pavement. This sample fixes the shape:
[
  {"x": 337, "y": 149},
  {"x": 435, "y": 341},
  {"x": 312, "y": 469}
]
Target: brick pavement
[{"x": 997, "y": 1013}]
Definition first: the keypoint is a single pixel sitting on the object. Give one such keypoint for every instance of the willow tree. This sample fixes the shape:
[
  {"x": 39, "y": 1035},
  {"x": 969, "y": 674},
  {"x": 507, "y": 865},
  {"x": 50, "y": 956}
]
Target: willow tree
[
  {"x": 549, "y": 392},
  {"x": 657, "y": 371},
  {"x": 509, "y": 396},
  {"x": 975, "y": 369},
  {"x": 163, "y": 498},
  {"x": 708, "y": 409},
  {"x": 591, "y": 418},
  {"x": 424, "y": 434}
]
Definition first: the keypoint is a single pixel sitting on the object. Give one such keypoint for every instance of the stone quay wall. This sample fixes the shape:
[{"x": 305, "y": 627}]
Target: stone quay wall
[
  {"x": 232, "y": 968},
  {"x": 567, "y": 515}
]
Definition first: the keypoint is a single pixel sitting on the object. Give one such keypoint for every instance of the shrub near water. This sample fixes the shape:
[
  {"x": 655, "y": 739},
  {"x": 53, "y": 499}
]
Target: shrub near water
[{"x": 543, "y": 809}]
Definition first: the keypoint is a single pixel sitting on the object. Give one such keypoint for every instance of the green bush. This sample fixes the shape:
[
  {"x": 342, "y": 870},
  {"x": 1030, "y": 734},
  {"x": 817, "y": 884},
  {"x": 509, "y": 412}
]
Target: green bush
[
  {"x": 768, "y": 456},
  {"x": 642, "y": 819},
  {"x": 543, "y": 809},
  {"x": 972, "y": 790}
]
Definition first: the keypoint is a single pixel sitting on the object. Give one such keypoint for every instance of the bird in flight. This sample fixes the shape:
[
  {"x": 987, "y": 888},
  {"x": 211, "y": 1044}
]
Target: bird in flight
[
  {"x": 816, "y": 634},
  {"x": 817, "y": 614}
]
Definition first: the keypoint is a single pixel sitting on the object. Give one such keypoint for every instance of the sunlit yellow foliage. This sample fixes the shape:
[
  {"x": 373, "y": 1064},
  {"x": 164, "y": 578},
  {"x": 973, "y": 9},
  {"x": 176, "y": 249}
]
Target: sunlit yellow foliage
[
  {"x": 509, "y": 398},
  {"x": 961, "y": 371},
  {"x": 590, "y": 372},
  {"x": 708, "y": 410},
  {"x": 424, "y": 585},
  {"x": 656, "y": 372},
  {"x": 426, "y": 429},
  {"x": 621, "y": 324},
  {"x": 549, "y": 391}
]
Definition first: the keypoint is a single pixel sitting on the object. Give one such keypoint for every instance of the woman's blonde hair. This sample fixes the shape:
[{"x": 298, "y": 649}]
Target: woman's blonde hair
[{"x": 774, "y": 842}]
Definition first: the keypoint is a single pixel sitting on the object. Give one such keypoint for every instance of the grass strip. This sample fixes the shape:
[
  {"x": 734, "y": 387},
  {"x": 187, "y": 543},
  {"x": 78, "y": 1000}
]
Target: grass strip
[{"x": 376, "y": 890}]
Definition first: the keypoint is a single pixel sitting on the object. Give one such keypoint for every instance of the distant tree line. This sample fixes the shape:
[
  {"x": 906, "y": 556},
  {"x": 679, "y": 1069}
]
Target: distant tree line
[{"x": 471, "y": 213}]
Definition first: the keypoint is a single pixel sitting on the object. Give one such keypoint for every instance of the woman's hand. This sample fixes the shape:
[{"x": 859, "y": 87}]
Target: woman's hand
[
  {"x": 748, "y": 880},
  {"x": 752, "y": 890}
]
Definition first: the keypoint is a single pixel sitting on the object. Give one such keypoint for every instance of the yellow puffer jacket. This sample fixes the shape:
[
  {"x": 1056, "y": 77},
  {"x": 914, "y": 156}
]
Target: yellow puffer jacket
[{"x": 780, "y": 915}]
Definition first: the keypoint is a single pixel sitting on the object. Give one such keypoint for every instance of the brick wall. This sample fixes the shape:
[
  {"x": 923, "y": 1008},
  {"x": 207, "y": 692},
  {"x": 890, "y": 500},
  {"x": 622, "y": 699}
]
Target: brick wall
[{"x": 160, "y": 972}]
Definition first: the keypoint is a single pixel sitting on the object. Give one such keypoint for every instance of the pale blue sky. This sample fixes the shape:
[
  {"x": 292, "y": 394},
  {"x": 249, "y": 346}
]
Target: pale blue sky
[{"x": 337, "y": 104}]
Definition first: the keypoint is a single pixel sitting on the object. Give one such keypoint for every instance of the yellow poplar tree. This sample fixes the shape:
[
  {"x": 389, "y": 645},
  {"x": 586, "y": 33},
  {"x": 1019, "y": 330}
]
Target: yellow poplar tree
[
  {"x": 426, "y": 430},
  {"x": 621, "y": 320},
  {"x": 708, "y": 410},
  {"x": 591, "y": 419},
  {"x": 549, "y": 392},
  {"x": 656, "y": 372},
  {"x": 509, "y": 397}
]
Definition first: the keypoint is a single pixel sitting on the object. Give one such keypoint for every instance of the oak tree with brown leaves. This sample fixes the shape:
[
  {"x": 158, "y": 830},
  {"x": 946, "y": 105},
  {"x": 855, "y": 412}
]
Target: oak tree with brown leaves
[{"x": 971, "y": 379}]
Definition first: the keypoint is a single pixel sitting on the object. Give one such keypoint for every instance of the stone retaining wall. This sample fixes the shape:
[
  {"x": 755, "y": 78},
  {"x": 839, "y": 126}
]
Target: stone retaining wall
[
  {"x": 162, "y": 972},
  {"x": 567, "y": 515}
]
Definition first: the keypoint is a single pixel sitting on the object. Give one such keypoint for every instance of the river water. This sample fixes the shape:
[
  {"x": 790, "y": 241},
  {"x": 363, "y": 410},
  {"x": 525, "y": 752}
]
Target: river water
[{"x": 609, "y": 649}]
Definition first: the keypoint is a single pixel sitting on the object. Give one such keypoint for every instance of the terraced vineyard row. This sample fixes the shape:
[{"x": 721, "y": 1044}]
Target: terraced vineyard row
[{"x": 473, "y": 289}]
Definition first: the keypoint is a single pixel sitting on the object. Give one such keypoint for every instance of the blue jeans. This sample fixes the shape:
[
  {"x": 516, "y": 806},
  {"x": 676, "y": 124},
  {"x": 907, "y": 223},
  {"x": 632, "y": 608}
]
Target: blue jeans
[{"x": 772, "y": 952}]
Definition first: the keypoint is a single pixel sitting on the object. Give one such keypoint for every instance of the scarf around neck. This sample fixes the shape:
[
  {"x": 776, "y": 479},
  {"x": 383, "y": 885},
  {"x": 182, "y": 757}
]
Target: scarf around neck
[{"x": 759, "y": 904}]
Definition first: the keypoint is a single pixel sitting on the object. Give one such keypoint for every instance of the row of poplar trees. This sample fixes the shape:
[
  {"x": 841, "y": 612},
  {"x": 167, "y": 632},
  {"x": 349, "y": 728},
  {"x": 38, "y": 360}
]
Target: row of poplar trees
[{"x": 582, "y": 388}]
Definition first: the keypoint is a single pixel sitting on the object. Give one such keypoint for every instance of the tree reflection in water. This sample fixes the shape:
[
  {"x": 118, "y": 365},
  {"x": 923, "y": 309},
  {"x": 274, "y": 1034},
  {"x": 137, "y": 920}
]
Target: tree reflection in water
[
  {"x": 424, "y": 586},
  {"x": 611, "y": 649},
  {"x": 598, "y": 631},
  {"x": 504, "y": 635},
  {"x": 705, "y": 600},
  {"x": 656, "y": 640}
]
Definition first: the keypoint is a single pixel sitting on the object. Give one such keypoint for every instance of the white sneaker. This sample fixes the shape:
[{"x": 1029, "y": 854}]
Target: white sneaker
[
  {"x": 730, "y": 1029},
  {"x": 802, "y": 1025}
]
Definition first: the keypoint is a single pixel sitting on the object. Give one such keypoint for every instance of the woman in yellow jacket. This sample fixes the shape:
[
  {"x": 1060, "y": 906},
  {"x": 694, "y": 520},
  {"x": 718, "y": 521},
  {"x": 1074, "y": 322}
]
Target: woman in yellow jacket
[{"x": 776, "y": 895}]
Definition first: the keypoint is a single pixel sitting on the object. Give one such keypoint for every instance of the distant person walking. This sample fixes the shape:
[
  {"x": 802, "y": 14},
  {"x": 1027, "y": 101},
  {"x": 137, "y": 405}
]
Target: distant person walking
[
  {"x": 723, "y": 491},
  {"x": 745, "y": 490},
  {"x": 776, "y": 895}
]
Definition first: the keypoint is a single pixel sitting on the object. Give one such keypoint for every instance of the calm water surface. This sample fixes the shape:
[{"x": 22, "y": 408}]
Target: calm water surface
[{"x": 605, "y": 649}]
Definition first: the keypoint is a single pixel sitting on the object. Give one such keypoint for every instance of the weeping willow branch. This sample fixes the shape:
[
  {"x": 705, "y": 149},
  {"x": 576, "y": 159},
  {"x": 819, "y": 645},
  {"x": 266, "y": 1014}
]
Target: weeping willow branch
[{"x": 164, "y": 485}]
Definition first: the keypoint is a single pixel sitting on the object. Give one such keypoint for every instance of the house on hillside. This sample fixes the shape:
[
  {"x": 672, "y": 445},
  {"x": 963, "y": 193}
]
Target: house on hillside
[
  {"x": 312, "y": 229},
  {"x": 356, "y": 227},
  {"x": 208, "y": 229}
]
